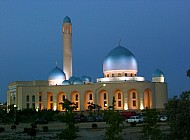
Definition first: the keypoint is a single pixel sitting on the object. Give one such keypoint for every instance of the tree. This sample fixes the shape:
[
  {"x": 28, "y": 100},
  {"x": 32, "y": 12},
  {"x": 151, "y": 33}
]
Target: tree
[
  {"x": 114, "y": 121},
  {"x": 178, "y": 110},
  {"x": 70, "y": 132},
  {"x": 188, "y": 73},
  {"x": 151, "y": 128}
]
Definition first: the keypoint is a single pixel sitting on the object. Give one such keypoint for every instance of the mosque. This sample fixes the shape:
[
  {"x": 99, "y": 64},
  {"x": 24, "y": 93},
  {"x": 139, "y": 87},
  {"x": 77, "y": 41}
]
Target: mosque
[{"x": 121, "y": 81}]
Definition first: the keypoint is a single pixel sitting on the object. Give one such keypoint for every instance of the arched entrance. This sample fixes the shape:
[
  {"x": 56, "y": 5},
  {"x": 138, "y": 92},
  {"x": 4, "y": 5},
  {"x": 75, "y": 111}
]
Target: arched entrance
[
  {"x": 133, "y": 99},
  {"x": 75, "y": 98},
  {"x": 118, "y": 99},
  {"x": 103, "y": 99},
  {"x": 60, "y": 99},
  {"x": 147, "y": 99},
  {"x": 88, "y": 98}
]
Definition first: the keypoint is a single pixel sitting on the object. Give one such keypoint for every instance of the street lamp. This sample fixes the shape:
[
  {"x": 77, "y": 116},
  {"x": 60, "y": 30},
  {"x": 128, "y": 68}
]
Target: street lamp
[
  {"x": 96, "y": 97},
  {"x": 14, "y": 113}
]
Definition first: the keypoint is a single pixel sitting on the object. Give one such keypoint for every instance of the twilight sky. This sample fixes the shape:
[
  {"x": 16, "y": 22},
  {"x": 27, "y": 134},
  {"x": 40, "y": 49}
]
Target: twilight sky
[{"x": 157, "y": 32}]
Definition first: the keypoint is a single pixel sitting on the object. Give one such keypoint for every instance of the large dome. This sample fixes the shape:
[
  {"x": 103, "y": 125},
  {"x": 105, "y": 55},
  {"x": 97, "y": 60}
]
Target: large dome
[
  {"x": 120, "y": 58},
  {"x": 56, "y": 76}
]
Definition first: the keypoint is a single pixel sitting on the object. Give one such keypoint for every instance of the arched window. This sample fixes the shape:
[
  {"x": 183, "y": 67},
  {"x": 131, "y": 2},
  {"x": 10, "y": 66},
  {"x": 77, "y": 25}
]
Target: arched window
[
  {"x": 107, "y": 75},
  {"x": 76, "y": 97},
  {"x": 63, "y": 98},
  {"x": 105, "y": 96},
  {"x": 27, "y": 98},
  {"x": 134, "y": 95},
  {"x": 90, "y": 96},
  {"x": 51, "y": 98},
  {"x": 112, "y": 75},
  {"x": 33, "y": 98},
  {"x": 125, "y": 74},
  {"x": 119, "y": 96},
  {"x": 119, "y": 75},
  {"x": 40, "y": 98}
]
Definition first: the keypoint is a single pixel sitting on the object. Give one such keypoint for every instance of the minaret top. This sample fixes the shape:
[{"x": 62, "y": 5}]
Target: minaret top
[{"x": 67, "y": 20}]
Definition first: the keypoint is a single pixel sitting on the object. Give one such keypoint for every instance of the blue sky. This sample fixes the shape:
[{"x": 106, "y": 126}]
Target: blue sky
[{"x": 156, "y": 31}]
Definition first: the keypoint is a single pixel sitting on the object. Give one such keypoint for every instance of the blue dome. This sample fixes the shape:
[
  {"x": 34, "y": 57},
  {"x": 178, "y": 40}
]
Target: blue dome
[
  {"x": 66, "y": 82},
  {"x": 120, "y": 58},
  {"x": 78, "y": 82},
  {"x": 158, "y": 73},
  {"x": 67, "y": 20},
  {"x": 72, "y": 79},
  {"x": 85, "y": 79},
  {"x": 56, "y": 74}
]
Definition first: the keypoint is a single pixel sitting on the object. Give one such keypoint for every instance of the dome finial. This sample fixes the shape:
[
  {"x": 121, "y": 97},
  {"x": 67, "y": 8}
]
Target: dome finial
[
  {"x": 56, "y": 63},
  {"x": 119, "y": 41}
]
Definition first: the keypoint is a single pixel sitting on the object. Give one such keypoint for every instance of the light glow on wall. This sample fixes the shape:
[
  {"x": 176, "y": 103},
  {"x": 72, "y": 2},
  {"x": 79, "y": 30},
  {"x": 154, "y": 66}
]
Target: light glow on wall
[
  {"x": 141, "y": 105},
  {"x": 126, "y": 106}
]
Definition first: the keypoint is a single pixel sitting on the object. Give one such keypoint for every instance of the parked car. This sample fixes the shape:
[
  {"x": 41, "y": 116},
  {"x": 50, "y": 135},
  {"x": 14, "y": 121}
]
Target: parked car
[
  {"x": 127, "y": 114},
  {"x": 79, "y": 118},
  {"x": 90, "y": 119},
  {"x": 135, "y": 119},
  {"x": 41, "y": 121}
]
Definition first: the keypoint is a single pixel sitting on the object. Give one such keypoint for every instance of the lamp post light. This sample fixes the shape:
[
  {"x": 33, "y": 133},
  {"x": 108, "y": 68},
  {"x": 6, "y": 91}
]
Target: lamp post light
[{"x": 14, "y": 113}]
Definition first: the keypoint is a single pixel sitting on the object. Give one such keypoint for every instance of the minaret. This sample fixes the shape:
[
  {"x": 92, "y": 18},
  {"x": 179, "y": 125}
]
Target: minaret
[{"x": 67, "y": 47}]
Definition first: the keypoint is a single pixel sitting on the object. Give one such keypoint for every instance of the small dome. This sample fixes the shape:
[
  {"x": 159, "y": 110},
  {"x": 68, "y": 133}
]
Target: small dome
[
  {"x": 78, "y": 81},
  {"x": 158, "y": 73},
  {"x": 72, "y": 79},
  {"x": 120, "y": 58},
  {"x": 66, "y": 82},
  {"x": 56, "y": 76},
  {"x": 85, "y": 79},
  {"x": 67, "y": 20}
]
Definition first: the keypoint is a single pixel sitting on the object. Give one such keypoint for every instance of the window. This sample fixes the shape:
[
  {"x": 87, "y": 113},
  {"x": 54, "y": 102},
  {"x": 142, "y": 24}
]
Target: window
[
  {"x": 51, "y": 98},
  {"x": 33, "y": 105},
  {"x": 125, "y": 74},
  {"x": 27, "y": 98},
  {"x": 40, "y": 98},
  {"x": 33, "y": 98},
  {"x": 119, "y": 95},
  {"x": 63, "y": 98},
  {"x": 77, "y": 97},
  {"x": 77, "y": 105},
  {"x": 105, "y": 96},
  {"x": 134, "y": 103},
  {"x": 40, "y": 106},
  {"x": 119, "y": 103},
  {"x": 27, "y": 106},
  {"x": 51, "y": 105},
  {"x": 112, "y": 75},
  {"x": 107, "y": 75},
  {"x": 90, "y": 96},
  {"x": 119, "y": 75},
  {"x": 134, "y": 95},
  {"x": 131, "y": 74},
  {"x": 105, "y": 104}
]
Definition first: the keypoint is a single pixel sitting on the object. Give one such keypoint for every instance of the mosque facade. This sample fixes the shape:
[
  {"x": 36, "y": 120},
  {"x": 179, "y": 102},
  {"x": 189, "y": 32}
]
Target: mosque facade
[{"x": 121, "y": 81}]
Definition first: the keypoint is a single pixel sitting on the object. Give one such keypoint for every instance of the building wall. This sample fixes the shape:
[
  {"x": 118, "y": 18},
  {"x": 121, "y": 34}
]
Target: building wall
[{"x": 133, "y": 95}]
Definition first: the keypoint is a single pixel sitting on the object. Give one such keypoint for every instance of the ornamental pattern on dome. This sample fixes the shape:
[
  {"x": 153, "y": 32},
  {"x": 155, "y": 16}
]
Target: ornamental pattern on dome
[
  {"x": 120, "y": 58},
  {"x": 67, "y": 20},
  {"x": 158, "y": 73}
]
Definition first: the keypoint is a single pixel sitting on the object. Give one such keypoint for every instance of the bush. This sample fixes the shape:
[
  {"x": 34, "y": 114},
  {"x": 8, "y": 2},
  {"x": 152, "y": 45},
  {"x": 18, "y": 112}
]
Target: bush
[
  {"x": 25, "y": 130},
  {"x": 45, "y": 128},
  {"x": 2, "y": 129},
  {"x": 94, "y": 126}
]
